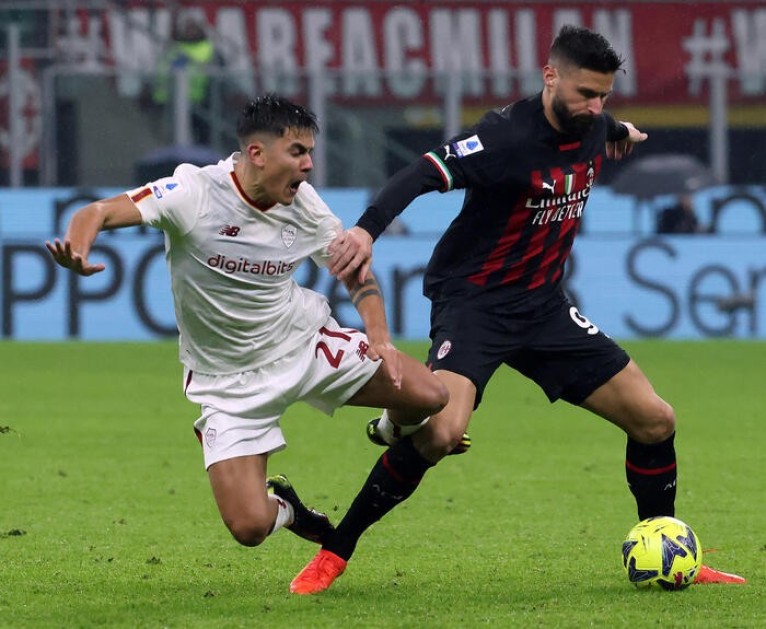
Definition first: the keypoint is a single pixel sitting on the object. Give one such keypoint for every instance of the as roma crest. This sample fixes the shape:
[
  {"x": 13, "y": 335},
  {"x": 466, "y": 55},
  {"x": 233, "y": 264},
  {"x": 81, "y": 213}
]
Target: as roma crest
[{"x": 288, "y": 235}]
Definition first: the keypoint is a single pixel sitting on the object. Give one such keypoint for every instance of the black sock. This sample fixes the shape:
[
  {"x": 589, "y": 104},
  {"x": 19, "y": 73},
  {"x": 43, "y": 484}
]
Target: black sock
[
  {"x": 393, "y": 479},
  {"x": 651, "y": 472}
]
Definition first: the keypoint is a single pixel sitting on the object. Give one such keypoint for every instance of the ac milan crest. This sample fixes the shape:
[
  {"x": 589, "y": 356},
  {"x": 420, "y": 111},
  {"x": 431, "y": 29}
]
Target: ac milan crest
[{"x": 444, "y": 349}]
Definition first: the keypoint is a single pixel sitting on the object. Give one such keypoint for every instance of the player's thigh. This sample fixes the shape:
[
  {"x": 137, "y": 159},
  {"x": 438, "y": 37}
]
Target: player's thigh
[
  {"x": 567, "y": 355},
  {"x": 470, "y": 342},
  {"x": 335, "y": 367},
  {"x": 239, "y": 488},
  {"x": 629, "y": 401},
  {"x": 462, "y": 398},
  {"x": 420, "y": 391},
  {"x": 239, "y": 413}
]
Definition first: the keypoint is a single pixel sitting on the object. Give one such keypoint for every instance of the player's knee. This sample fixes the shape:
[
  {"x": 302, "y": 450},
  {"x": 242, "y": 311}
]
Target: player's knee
[
  {"x": 666, "y": 422},
  {"x": 443, "y": 440},
  {"x": 436, "y": 396},
  {"x": 248, "y": 531},
  {"x": 661, "y": 423}
]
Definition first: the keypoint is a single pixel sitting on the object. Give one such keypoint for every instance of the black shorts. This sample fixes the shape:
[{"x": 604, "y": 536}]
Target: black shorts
[{"x": 554, "y": 345}]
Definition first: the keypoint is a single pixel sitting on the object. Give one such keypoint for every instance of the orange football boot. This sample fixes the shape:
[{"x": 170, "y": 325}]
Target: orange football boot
[
  {"x": 709, "y": 575},
  {"x": 319, "y": 573}
]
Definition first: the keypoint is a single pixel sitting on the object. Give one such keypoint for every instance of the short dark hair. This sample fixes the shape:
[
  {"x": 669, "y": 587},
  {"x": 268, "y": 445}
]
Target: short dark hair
[
  {"x": 585, "y": 49},
  {"x": 274, "y": 114}
]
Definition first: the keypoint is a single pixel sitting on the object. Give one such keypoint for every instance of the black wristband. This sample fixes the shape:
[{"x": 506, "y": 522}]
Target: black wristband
[{"x": 615, "y": 131}]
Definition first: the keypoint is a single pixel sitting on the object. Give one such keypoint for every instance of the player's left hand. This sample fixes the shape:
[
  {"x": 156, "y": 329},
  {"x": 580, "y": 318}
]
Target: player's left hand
[
  {"x": 623, "y": 148},
  {"x": 392, "y": 360},
  {"x": 66, "y": 256},
  {"x": 350, "y": 253}
]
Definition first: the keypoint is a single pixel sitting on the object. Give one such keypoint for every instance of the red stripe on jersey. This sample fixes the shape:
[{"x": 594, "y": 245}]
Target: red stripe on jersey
[
  {"x": 535, "y": 247},
  {"x": 513, "y": 230},
  {"x": 570, "y": 147},
  {"x": 597, "y": 165},
  {"x": 537, "y": 242},
  {"x": 141, "y": 194},
  {"x": 556, "y": 254}
]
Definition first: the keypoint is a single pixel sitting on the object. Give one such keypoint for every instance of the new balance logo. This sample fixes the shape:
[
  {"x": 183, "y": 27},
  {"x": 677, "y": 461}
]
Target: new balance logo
[
  {"x": 362, "y": 349},
  {"x": 229, "y": 230}
]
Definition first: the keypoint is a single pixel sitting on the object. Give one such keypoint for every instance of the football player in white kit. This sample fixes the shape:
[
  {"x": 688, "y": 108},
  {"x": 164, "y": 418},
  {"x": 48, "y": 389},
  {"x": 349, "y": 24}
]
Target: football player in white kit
[{"x": 252, "y": 341}]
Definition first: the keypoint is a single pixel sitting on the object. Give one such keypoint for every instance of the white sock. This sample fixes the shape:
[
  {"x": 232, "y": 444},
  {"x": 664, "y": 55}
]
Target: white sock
[
  {"x": 391, "y": 432},
  {"x": 285, "y": 513}
]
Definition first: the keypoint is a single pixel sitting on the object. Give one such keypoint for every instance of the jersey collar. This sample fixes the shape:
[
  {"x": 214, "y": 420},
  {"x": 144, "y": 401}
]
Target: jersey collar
[{"x": 241, "y": 191}]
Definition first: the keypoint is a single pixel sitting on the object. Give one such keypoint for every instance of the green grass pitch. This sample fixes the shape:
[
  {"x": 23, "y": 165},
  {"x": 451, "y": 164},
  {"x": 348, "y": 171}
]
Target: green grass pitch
[{"x": 106, "y": 517}]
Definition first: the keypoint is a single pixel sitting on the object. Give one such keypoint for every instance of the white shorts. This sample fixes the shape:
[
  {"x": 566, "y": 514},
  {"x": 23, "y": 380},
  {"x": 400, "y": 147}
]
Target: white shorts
[{"x": 241, "y": 411}]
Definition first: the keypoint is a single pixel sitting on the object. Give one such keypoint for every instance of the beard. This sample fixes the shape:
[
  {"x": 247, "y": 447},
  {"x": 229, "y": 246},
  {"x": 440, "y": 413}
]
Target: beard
[{"x": 570, "y": 124}]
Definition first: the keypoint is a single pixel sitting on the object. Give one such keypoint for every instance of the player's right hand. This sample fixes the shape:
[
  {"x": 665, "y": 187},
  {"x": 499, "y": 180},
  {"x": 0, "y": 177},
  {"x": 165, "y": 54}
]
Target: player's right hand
[
  {"x": 351, "y": 252},
  {"x": 392, "y": 361},
  {"x": 623, "y": 148},
  {"x": 62, "y": 253}
]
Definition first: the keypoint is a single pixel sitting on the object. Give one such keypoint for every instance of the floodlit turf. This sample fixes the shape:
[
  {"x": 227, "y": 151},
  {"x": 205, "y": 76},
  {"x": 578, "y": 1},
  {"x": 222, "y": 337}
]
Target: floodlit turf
[{"x": 106, "y": 517}]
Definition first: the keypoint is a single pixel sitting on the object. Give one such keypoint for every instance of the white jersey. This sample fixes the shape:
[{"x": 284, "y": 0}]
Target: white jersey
[{"x": 231, "y": 264}]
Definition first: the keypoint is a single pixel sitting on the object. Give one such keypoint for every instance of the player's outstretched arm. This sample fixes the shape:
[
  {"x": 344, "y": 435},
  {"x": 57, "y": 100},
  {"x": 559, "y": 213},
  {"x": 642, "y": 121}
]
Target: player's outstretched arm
[
  {"x": 368, "y": 301},
  {"x": 622, "y": 148},
  {"x": 351, "y": 253},
  {"x": 84, "y": 227}
]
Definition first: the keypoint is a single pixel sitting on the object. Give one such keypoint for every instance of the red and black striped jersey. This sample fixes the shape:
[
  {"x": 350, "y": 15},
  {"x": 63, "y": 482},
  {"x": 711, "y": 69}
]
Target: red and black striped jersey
[{"x": 526, "y": 187}]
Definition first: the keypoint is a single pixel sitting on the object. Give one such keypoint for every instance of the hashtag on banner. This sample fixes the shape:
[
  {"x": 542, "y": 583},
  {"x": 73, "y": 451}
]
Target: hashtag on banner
[{"x": 706, "y": 52}]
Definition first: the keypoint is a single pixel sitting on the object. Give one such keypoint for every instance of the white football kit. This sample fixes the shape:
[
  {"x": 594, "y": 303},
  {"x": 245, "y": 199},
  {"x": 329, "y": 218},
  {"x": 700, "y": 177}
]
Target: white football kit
[{"x": 251, "y": 339}]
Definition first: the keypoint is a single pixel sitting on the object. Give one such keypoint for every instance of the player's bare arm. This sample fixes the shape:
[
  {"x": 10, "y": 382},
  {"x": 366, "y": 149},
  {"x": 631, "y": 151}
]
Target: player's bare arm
[
  {"x": 351, "y": 254},
  {"x": 72, "y": 252},
  {"x": 368, "y": 300},
  {"x": 624, "y": 147}
]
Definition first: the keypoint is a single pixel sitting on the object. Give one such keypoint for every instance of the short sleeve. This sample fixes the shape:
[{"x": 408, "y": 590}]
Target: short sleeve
[
  {"x": 170, "y": 203},
  {"x": 328, "y": 228}
]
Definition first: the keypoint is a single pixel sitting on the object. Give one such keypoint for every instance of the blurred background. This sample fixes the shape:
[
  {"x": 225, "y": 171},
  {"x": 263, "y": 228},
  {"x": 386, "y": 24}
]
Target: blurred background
[{"x": 98, "y": 96}]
